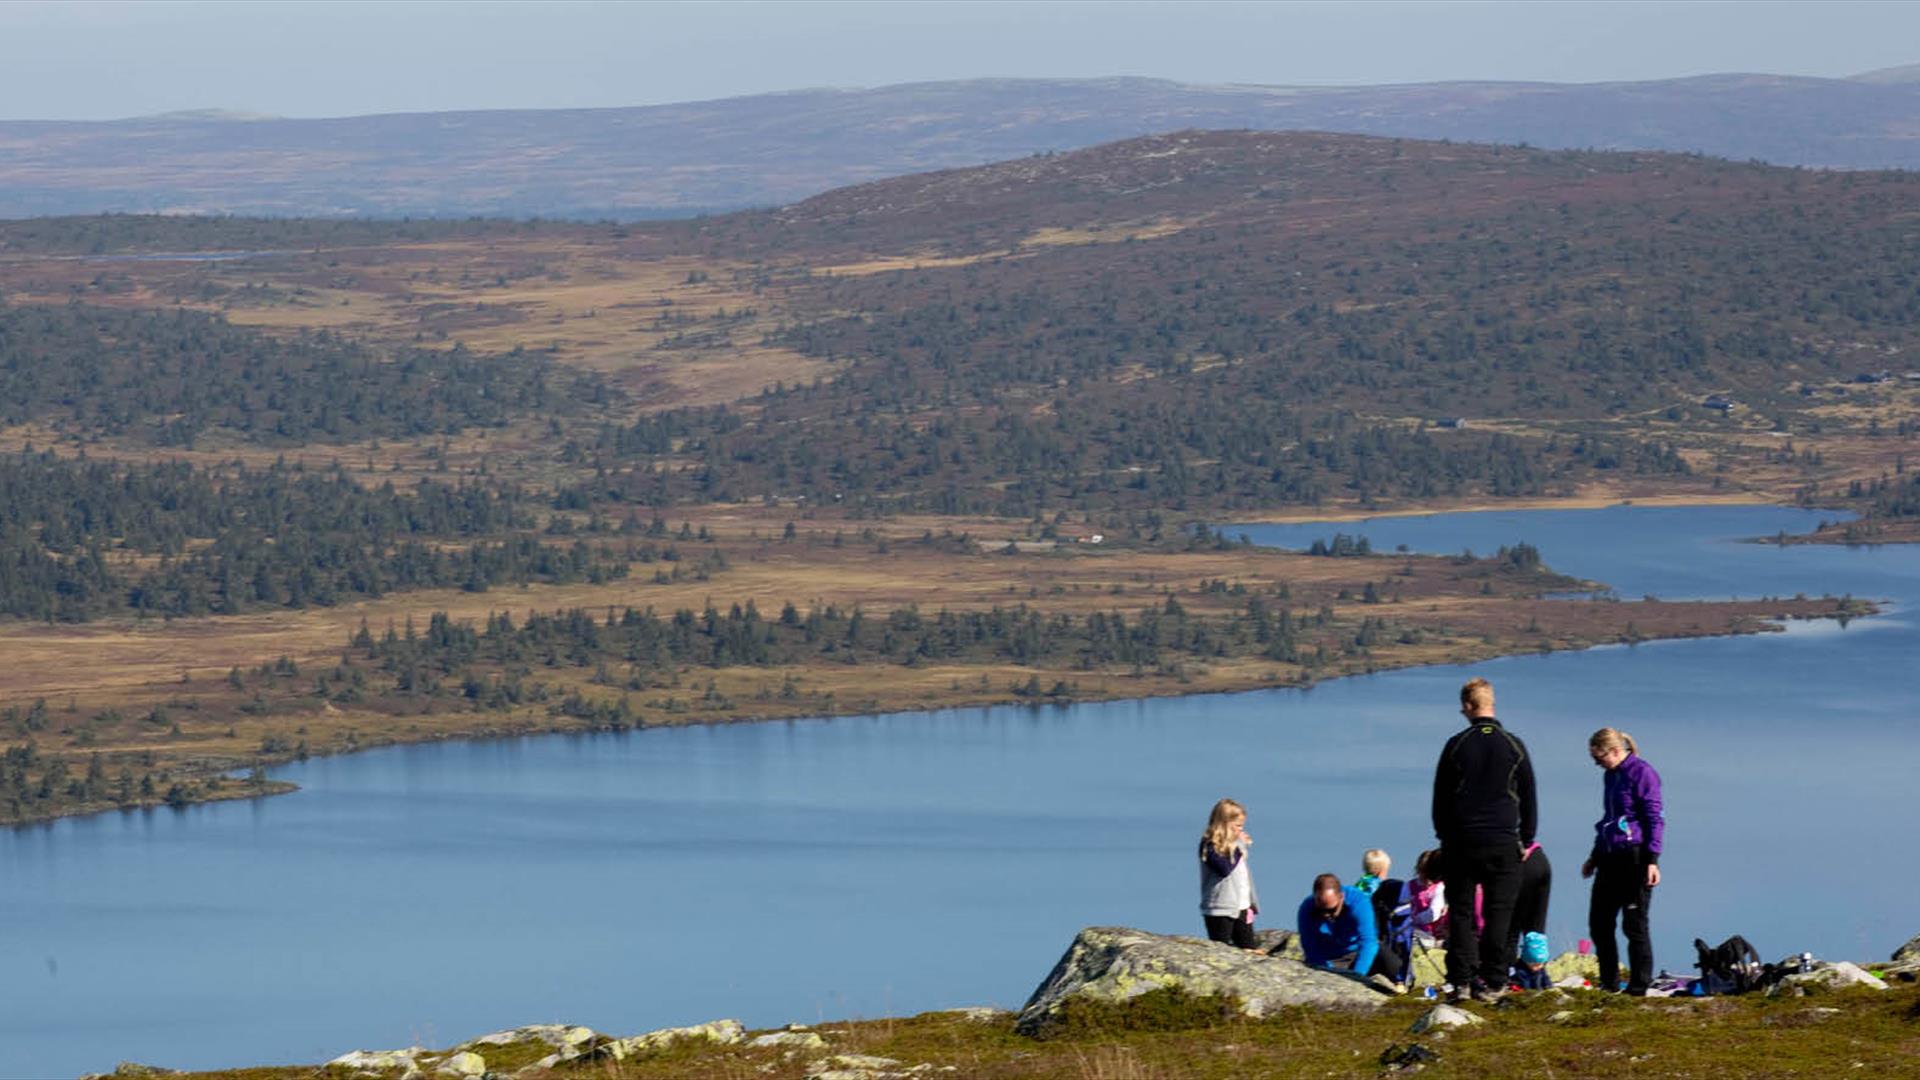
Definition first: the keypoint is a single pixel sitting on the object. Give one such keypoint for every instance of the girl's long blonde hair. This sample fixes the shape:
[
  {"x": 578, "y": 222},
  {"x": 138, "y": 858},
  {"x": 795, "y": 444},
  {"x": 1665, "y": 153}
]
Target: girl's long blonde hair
[
  {"x": 1608, "y": 739},
  {"x": 1219, "y": 834}
]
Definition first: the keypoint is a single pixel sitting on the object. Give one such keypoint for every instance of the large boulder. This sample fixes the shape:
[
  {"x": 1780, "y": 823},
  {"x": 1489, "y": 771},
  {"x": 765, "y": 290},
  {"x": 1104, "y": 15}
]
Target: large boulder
[
  {"x": 1110, "y": 963},
  {"x": 1908, "y": 953}
]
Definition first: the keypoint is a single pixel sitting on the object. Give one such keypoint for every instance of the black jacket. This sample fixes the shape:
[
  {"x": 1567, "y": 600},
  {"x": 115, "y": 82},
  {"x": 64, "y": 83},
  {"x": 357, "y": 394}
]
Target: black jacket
[{"x": 1483, "y": 788}]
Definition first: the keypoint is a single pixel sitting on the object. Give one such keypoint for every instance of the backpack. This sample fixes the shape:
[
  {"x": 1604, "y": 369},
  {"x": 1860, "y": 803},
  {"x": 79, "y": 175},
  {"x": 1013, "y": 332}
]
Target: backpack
[
  {"x": 1386, "y": 896},
  {"x": 1731, "y": 967}
]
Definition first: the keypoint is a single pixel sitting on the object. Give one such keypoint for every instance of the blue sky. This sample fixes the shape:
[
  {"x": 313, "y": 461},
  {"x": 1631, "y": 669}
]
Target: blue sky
[{"x": 296, "y": 58}]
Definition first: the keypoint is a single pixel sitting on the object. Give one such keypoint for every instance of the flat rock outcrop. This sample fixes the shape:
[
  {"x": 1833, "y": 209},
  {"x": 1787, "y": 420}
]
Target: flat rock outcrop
[
  {"x": 1837, "y": 975},
  {"x": 1111, "y": 963}
]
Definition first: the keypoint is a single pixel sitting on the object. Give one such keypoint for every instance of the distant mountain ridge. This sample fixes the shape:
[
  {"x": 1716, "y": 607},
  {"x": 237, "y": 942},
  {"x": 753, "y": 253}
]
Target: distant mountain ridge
[{"x": 682, "y": 159}]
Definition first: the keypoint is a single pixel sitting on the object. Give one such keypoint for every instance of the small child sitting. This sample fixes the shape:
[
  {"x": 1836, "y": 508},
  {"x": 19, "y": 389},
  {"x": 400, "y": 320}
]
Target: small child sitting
[
  {"x": 1531, "y": 972},
  {"x": 1374, "y": 865}
]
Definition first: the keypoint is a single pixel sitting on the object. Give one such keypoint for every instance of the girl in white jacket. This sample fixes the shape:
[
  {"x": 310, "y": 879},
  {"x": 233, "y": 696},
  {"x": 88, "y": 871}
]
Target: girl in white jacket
[{"x": 1228, "y": 901}]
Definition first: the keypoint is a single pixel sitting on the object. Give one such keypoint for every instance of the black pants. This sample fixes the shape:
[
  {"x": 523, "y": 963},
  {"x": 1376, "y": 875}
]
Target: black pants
[
  {"x": 1536, "y": 884},
  {"x": 1385, "y": 962},
  {"x": 1620, "y": 888},
  {"x": 1231, "y": 930},
  {"x": 1495, "y": 870}
]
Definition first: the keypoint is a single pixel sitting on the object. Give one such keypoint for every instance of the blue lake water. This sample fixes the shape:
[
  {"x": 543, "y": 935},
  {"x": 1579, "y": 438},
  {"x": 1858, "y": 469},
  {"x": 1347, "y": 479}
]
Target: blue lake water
[{"x": 861, "y": 867}]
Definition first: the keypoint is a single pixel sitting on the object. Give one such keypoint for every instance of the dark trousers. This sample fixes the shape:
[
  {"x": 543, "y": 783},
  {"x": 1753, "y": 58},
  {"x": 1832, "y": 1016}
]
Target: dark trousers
[
  {"x": 1536, "y": 885},
  {"x": 1620, "y": 888},
  {"x": 1231, "y": 930},
  {"x": 1385, "y": 962},
  {"x": 1495, "y": 870}
]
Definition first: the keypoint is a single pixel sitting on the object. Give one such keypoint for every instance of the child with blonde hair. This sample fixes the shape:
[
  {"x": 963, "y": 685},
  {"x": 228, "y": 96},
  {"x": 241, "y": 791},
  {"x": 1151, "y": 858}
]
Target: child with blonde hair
[
  {"x": 1228, "y": 901},
  {"x": 1374, "y": 865}
]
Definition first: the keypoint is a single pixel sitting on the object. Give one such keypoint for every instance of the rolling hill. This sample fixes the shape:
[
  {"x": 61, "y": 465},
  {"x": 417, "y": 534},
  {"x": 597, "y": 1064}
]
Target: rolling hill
[{"x": 677, "y": 160}]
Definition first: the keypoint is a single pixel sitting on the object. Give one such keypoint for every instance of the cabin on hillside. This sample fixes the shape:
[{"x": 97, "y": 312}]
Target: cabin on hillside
[
  {"x": 1718, "y": 403},
  {"x": 1451, "y": 422},
  {"x": 1871, "y": 377}
]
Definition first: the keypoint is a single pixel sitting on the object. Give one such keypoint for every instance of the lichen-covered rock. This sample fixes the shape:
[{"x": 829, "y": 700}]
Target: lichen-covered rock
[
  {"x": 1441, "y": 1017},
  {"x": 378, "y": 1062},
  {"x": 1278, "y": 943},
  {"x": 1827, "y": 976},
  {"x": 719, "y": 1032},
  {"x": 1110, "y": 963},
  {"x": 555, "y": 1035},
  {"x": 462, "y": 1063},
  {"x": 796, "y": 1040},
  {"x": 378, "y": 1059},
  {"x": 859, "y": 1067},
  {"x": 1573, "y": 965},
  {"x": 132, "y": 1070},
  {"x": 979, "y": 1014},
  {"x": 1910, "y": 952}
]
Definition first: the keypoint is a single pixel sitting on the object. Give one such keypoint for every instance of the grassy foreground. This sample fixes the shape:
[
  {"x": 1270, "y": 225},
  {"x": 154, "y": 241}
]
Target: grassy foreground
[{"x": 1582, "y": 1034}]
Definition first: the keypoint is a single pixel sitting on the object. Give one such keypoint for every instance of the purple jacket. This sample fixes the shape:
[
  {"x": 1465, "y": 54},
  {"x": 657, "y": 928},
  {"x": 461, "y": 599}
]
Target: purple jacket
[{"x": 1633, "y": 818}]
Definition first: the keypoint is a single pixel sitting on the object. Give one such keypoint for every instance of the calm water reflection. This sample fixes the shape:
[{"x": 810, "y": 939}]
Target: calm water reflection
[{"x": 868, "y": 866}]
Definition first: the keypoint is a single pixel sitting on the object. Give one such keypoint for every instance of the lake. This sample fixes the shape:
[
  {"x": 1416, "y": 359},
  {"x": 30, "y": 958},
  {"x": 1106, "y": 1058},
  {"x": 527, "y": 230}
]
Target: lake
[{"x": 862, "y": 867}]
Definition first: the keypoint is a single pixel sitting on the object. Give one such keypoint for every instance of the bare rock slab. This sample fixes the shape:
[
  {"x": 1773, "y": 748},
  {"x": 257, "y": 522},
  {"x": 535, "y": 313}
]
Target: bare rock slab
[{"x": 1111, "y": 963}]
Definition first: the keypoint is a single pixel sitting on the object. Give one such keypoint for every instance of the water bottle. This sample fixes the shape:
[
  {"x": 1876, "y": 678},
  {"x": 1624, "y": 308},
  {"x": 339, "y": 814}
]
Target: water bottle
[{"x": 1432, "y": 992}]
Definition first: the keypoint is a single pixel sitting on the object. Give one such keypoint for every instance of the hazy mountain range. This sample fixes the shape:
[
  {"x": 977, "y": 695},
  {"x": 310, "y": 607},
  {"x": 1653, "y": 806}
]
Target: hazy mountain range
[{"x": 671, "y": 160}]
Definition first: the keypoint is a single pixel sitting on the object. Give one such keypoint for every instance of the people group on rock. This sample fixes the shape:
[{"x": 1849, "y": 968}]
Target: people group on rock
[{"x": 1484, "y": 891}]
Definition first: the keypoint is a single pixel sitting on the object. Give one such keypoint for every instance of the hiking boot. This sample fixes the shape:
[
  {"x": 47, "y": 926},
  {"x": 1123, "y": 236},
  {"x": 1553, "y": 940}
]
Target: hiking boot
[
  {"x": 1458, "y": 995},
  {"x": 1489, "y": 995}
]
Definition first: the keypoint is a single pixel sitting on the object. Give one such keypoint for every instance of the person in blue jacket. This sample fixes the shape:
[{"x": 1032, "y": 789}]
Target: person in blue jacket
[{"x": 1337, "y": 933}]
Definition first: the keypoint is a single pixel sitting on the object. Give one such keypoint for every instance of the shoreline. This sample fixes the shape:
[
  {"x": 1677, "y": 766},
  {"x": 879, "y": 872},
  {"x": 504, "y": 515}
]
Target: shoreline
[
  {"x": 1238, "y": 678},
  {"x": 1485, "y": 506}
]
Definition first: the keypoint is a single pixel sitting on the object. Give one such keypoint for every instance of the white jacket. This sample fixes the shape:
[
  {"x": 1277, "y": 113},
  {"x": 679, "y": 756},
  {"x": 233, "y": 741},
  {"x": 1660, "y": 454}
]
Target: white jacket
[{"x": 1228, "y": 894}]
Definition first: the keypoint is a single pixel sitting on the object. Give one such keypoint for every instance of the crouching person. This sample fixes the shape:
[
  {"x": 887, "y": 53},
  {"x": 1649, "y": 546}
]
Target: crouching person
[{"x": 1337, "y": 933}]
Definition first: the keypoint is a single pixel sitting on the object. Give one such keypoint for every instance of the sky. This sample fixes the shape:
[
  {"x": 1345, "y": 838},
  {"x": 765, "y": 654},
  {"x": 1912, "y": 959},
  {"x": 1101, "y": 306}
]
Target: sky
[{"x": 105, "y": 60}]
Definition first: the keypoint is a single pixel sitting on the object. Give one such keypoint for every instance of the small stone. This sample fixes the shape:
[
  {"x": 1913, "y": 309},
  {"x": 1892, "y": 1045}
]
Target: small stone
[
  {"x": 1443, "y": 1016},
  {"x": 862, "y": 1061},
  {"x": 1560, "y": 1017}
]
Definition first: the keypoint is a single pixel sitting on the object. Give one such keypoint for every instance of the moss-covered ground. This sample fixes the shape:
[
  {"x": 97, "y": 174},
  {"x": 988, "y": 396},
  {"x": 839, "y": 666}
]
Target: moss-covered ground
[{"x": 1585, "y": 1034}]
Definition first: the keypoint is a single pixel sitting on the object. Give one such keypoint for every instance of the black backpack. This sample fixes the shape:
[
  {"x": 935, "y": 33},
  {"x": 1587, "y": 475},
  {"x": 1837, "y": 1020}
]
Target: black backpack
[{"x": 1731, "y": 967}]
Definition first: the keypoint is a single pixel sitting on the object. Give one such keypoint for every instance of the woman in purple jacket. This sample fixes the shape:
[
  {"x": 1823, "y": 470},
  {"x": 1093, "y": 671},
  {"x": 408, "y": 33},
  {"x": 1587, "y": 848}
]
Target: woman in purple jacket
[{"x": 1625, "y": 864}]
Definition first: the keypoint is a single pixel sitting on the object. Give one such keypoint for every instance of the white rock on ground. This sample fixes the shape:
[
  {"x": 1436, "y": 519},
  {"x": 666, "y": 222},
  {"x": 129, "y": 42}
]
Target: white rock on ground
[
  {"x": 720, "y": 1032},
  {"x": 800, "y": 1040},
  {"x": 462, "y": 1063},
  {"x": 979, "y": 1014},
  {"x": 1441, "y": 1017},
  {"x": 379, "y": 1060},
  {"x": 1830, "y": 976}
]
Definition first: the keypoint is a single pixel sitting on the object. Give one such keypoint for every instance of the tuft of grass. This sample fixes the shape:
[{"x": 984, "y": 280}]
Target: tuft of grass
[{"x": 1168, "y": 1009}]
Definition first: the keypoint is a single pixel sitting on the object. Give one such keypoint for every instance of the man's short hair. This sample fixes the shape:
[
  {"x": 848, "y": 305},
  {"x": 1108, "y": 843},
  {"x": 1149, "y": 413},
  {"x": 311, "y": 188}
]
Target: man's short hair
[
  {"x": 1477, "y": 696},
  {"x": 1324, "y": 882}
]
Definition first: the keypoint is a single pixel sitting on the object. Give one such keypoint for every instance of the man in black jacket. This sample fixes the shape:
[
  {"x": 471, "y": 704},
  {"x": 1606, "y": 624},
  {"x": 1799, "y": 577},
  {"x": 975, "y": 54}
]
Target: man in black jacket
[{"x": 1484, "y": 814}]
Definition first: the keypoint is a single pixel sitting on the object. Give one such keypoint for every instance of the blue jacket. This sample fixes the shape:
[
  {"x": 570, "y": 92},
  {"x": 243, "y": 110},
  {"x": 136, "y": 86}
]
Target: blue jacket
[
  {"x": 1325, "y": 940},
  {"x": 1633, "y": 810}
]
